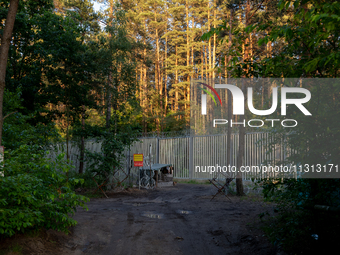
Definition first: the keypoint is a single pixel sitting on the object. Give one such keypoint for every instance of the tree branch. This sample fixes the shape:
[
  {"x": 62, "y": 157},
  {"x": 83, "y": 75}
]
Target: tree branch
[
  {"x": 9, "y": 114},
  {"x": 258, "y": 7}
]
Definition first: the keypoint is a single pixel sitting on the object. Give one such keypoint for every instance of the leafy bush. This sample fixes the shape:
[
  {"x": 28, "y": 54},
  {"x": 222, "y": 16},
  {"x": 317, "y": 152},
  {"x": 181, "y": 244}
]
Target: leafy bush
[
  {"x": 299, "y": 227},
  {"x": 18, "y": 128},
  {"x": 88, "y": 182},
  {"x": 109, "y": 160},
  {"x": 35, "y": 192}
]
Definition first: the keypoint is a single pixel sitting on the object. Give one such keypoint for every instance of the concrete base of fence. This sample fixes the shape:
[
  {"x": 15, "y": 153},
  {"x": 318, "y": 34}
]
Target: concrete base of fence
[
  {"x": 165, "y": 184},
  {"x": 192, "y": 181}
]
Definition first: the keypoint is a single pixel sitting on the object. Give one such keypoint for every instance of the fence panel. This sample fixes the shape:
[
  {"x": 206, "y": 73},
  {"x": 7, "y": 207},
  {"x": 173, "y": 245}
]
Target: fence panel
[
  {"x": 192, "y": 162},
  {"x": 175, "y": 151}
]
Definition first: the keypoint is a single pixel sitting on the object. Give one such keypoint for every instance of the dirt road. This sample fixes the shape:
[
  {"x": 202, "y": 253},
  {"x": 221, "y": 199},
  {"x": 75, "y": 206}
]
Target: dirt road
[{"x": 172, "y": 220}]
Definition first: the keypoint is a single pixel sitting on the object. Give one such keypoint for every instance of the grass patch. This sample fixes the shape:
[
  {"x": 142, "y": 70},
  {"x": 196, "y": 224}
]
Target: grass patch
[
  {"x": 16, "y": 248},
  {"x": 34, "y": 233},
  {"x": 12, "y": 250},
  {"x": 252, "y": 197},
  {"x": 231, "y": 192},
  {"x": 90, "y": 194}
]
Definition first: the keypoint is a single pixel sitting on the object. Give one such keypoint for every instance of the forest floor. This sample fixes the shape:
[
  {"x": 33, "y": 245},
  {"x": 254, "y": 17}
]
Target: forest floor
[{"x": 179, "y": 219}]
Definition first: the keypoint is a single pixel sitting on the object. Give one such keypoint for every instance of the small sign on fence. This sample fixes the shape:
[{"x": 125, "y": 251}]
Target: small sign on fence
[{"x": 137, "y": 159}]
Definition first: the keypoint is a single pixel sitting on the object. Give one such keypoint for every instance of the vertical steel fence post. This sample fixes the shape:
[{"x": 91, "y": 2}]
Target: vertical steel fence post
[{"x": 191, "y": 159}]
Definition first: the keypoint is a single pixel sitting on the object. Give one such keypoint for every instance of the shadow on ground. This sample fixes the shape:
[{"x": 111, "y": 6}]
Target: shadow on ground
[{"x": 172, "y": 220}]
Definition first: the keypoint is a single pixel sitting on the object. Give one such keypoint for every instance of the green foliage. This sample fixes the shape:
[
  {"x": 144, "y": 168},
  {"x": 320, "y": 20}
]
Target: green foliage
[
  {"x": 305, "y": 45},
  {"x": 25, "y": 63},
  {"x": 17, "y": 129},
  {"x": 121, "y": 87},
  {"x": 296, "y": 220},
  {"x": 315, "y": 141},
  {"x": 87, "y": 182},
  {"x": 16, "y": 248},
  {"x": 111, "y": 157},
  {"x": 53, "y": 59},
  {"x": 35, "y": 192},
  {"x": 69, "y": 66},
  {"x": 311, "y": 37}
]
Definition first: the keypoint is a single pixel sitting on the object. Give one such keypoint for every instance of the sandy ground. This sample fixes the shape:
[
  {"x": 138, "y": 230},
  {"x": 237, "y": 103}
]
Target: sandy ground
[{"x": 174, "y": 220}]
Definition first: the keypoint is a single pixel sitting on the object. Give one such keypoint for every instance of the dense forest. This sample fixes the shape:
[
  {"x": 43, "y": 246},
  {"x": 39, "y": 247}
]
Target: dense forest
[
  {"x": 70, "y": 72},
  {"x": 134, "y": 60}
]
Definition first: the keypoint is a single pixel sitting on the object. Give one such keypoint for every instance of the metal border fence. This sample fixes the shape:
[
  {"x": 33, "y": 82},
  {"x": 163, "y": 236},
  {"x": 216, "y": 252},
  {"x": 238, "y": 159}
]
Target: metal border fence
[{"x": 188, "y": 153}]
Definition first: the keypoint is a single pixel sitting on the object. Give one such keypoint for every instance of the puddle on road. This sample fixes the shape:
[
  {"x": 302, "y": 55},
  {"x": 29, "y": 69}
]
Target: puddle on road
[
  {"x": 184, "y": 212},
  {"x": 153, "y": 215}
]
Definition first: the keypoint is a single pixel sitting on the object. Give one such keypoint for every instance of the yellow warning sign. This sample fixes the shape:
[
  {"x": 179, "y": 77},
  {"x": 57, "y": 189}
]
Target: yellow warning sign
[{"x": 138, "y": 159}]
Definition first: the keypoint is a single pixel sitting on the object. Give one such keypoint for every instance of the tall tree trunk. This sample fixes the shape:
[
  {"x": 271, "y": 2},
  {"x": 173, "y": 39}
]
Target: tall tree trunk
[
  {"x": 161, "y": 109},
  {"x": 209, "y": 45},
  {"x": 229, "y": 98},
  {"x": 157, "y": 59},
  {"x": 141, "y": 85},
  {"x": 214, "y": 48},
  {"x": 192, "y": 48},
  {"x": 161, "y": 78},
  {"x": 188, "y": 55},
  {"x": 240, "y": 156},
  {"x": 240, "y": 159},
  {"x": 4, "y": 48},
  {"x": 202, "y": 62},
  {"x": 225, "y": 67},
  {"x": 108, "y": 103},
  {"x": 192, "y": 60},
  {"x": 176, "y": 82},
  {"x": 82, "y": 143},
  {"x": 145, "y": 100},
  {"x": 108, "y": 92},
  {"x": 67, "y": 141},
  {"x": 157, "y": 70},
  {"x": 206, "y": 65},
  {"x": 145, "y": 84},
  {"x": 165, "y": 70},
  {"x": 67, "y": 135}
]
